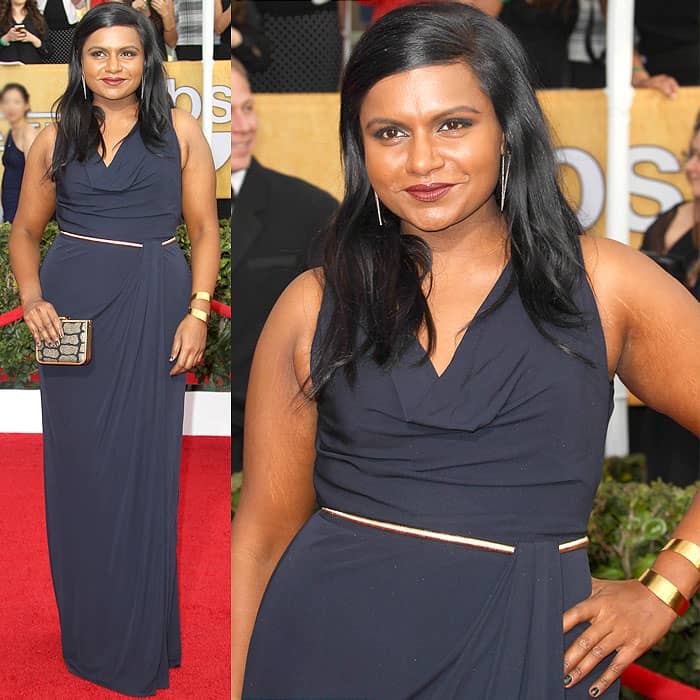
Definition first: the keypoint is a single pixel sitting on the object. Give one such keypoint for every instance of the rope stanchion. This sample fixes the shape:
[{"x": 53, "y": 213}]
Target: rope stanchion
[
  {"x": 655, "y": 686},
  {"x": 15, "y": 314}
]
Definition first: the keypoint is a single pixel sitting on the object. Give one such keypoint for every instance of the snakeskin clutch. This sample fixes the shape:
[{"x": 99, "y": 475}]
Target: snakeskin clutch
[{"x": 75, "y": 348}]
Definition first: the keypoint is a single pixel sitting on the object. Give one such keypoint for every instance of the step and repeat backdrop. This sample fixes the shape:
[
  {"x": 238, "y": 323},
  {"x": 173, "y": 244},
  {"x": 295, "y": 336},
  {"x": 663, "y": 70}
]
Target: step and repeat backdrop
[
  {"x": 297, "y": 134},
  {"x": 45, "y": 84}
]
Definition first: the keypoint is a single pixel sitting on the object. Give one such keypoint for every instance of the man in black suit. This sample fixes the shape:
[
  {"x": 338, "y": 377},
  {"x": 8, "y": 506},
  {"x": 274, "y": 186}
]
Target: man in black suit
[{"x": 275, "y": 221}]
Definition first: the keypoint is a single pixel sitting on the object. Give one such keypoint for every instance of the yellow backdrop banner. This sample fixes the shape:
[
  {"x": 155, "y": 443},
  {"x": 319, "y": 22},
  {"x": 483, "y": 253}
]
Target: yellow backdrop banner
[
  {"x": 45, "y": 83},
  {"x": 298, "y": 135}
]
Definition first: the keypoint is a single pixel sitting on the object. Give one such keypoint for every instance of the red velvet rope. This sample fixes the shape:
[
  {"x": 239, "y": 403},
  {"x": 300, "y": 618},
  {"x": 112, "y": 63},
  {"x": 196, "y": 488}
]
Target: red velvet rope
[
  {"x": 14, "y": 315},
  {"x": 655, "y": 686},
  {"x": 10, "y": 316}
]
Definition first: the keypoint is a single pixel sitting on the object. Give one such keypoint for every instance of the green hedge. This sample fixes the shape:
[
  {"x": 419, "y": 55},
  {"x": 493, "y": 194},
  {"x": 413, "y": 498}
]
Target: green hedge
[
  {"x": 629, "y": 524},
  {"x": 16, "y": 356}
]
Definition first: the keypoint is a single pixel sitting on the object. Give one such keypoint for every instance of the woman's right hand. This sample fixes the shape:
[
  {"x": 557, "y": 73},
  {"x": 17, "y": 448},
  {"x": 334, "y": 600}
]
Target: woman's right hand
[{"x": 42, "y": 320}]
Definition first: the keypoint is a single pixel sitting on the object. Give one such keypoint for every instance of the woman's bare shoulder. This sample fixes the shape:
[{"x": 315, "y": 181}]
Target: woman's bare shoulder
[
  {"x": 42, "y": 145},
  {"x": 635, "y": 297},
  {"x": 610, "y": 264},
  {"x": 300, "y": 303},
  {"x": 287, "y": 336}
]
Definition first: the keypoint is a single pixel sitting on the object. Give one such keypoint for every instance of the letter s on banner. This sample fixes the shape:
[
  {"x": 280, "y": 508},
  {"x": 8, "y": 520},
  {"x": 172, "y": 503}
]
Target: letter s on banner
[{"x": 662, "y": 192}]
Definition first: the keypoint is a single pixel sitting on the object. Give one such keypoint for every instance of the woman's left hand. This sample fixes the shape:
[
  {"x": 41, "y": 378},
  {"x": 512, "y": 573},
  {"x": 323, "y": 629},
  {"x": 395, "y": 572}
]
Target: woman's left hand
[
  {"x": 625, "y": 617},
  {"x": 188, "y": 345},
  {"x": 30, "y": 38}
]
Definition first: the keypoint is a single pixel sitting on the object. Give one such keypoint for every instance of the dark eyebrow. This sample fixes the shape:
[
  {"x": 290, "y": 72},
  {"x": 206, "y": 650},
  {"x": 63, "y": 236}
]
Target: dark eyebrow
[
  {"x": 441, "y": 115},
  {"x": 121, "y": 48}
]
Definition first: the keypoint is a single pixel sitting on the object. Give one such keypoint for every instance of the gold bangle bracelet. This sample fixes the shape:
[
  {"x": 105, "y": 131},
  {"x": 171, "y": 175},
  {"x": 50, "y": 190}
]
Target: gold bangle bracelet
[
  {"x": 201, "y": 315},
  {"x": 685, "y": 548},
  {"x": 665, "y": 591},
  {"x": 204, "y": 296}
]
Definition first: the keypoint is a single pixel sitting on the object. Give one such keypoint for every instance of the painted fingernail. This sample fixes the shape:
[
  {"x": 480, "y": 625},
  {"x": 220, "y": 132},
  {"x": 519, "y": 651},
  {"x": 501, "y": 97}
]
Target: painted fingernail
[
  {"x": 171, "y": 358},
  {"x": 594, "y": 691},
  {"x": 567, "y": 679}
]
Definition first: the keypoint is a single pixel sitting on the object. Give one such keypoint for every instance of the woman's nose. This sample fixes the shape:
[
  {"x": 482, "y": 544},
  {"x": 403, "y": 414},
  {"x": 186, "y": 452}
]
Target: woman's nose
[
  {"x": 423, "y": 156},
  {"x": 113, "y": 64}
]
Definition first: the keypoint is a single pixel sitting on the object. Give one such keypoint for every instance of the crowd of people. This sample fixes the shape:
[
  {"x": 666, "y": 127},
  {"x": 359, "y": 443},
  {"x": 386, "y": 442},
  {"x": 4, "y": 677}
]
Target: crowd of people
[
  {"x": 296, "y": 45},
  {"x": 41, "y": 31}
]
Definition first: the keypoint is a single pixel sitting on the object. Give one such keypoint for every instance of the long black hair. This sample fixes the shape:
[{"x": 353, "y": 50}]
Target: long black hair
[
  {"x": 374, "y": 275},
  {"x": 79, "y": 121}
]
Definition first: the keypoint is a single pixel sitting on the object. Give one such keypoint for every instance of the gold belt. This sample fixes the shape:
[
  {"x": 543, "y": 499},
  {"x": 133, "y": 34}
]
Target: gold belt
[
  {"x": 446, "y": 537},
  {"x": 111, "y": 241}
]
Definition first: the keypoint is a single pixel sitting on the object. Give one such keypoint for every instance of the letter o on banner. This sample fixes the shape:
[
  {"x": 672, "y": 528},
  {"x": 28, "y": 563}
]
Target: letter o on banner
[{"x": 592, "y": 181}]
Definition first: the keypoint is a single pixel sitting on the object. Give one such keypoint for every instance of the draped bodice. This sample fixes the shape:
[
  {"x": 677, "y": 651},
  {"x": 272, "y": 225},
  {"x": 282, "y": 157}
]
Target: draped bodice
[
  {"x": 137, "y": 197},
  {"x": 507, "y": 444}
]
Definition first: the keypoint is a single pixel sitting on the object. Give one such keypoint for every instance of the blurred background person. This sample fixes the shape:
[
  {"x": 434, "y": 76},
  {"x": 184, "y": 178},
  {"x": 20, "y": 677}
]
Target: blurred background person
[
  {"x": 188, "y": 18},
  {"x": 248, "y": 42},
  {"x": 666, "y": 53},
  {"x": 668, "y": 40},
  {"x": 60, "y": 16},
  {"x": 23, "y": 36},
  {"x": 14, "y": 105},
  {"x": 222, "y": 26},
  {"x": 275, "y": 221},
  {"x": 675, "y": 232},
  {"x": 586, "y": 47},
  {"x": 673, "y": 453},
  {"x": 305, "y": 46},
  {"x": 543, "y": 28},
  {"x": 162, "y": 15}
]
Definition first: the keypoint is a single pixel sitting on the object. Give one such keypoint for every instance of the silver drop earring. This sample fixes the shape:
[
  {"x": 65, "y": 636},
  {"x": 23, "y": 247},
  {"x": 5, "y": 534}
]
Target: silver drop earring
[
  {"x": 142, "y": 88},
  {"x": 505, "y": 171},
  {"x": 379, "y": 211},
  {"x": 82, "y": 78}
]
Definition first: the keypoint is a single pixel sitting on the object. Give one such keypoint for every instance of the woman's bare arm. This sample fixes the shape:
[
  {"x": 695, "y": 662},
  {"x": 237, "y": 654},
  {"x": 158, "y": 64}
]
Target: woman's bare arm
[
  {"x": 222, "y": 18},
  {"x": 199, "y": 212},
  {"x": 277, "y": 496},
  {"x": 36, "y": 205},
  {"x": 652, "y": 331}
]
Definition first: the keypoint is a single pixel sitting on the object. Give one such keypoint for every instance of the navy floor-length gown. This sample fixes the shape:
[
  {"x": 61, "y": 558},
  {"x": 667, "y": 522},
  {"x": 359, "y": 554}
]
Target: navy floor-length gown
[
  {"x": 113, "y": 428},
  {"x": 506, "y": 445}
]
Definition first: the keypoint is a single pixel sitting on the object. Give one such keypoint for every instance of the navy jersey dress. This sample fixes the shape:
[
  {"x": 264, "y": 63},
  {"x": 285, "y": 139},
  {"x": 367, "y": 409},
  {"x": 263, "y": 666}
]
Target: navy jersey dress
[
  {"x": 13, "y": 170},
  {"x": 113, "y": 428},
  {"x": 506, "y": 445}
]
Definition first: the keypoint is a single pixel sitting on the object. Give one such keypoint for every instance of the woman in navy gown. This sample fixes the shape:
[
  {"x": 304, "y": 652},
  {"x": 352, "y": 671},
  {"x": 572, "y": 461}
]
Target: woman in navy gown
[
  {"x": 441, "y": 388},
  {"x": 120, "y": 167},
  {"x": 14, "y": 104}
]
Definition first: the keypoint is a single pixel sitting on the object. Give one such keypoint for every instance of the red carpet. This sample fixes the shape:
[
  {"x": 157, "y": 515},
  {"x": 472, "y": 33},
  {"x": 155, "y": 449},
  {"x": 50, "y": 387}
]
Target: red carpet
[{"x": 31, "y": 666}]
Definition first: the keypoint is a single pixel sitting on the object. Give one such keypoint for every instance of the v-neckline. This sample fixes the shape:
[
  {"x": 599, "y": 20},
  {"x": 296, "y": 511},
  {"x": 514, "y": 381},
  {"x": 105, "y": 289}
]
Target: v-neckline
[
  {"x": 107, "y": 166},
  {"x": 487, "y": 299}
]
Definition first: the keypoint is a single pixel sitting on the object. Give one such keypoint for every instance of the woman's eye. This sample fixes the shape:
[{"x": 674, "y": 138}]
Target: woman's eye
[
  {"x": 129, "y": 54},
  {"x": 455, "y": 124},
  {"x": 96, "y": 54},
  {"x": 388, "y": 133}
]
